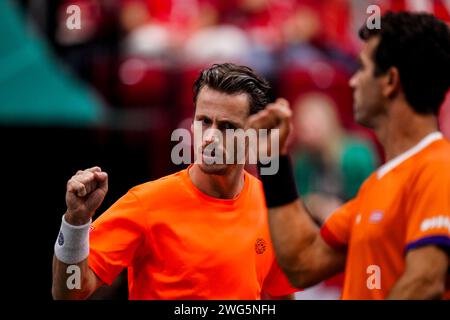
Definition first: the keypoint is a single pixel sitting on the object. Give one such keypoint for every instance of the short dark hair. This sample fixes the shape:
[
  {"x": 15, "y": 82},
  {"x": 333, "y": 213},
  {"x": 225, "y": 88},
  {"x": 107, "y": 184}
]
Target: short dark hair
[
  {"x": 418, "y": 45},
  {"x": 233, "y": 79}
]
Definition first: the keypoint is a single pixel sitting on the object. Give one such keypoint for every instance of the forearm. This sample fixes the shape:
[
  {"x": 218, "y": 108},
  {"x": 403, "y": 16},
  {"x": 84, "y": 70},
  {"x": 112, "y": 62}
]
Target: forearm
[
  {"x": 417, "y": 289},
  {"x": 292, "y": 233},
  {"x": 301, "y": 253},
  {"x": 75, "y": 281},
  {"x": 425, "y": 275},
  {"x": 72, "y": 277}
]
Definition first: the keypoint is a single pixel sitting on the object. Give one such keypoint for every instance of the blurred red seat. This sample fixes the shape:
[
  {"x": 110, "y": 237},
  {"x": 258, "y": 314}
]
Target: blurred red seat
[{"x": 143, "y": 83}]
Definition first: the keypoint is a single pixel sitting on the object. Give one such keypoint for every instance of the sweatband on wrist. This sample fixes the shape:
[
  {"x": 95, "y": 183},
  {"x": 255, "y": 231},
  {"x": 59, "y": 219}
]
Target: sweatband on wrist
[
  {"x": 72, "y": 245},
  {"x": 279, "y": 188}
]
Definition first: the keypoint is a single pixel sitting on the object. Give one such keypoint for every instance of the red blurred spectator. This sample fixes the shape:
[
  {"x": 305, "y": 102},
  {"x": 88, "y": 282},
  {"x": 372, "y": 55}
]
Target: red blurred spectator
[{"x": 322, "y": 22}]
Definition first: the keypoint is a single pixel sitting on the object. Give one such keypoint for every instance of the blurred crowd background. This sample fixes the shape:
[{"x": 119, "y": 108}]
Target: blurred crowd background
[{"x": 112, "y": 92}]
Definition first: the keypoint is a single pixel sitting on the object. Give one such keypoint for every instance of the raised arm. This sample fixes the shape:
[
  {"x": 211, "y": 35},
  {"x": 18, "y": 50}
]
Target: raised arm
[
  {"x": 85, "y": 192},
  {"x": 301, "y": 252}
]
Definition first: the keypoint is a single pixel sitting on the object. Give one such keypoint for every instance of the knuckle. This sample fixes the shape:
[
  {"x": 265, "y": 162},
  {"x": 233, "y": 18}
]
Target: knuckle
[
  {"x": 86, "y": 177},
  {"x": 76, "y": 179}
]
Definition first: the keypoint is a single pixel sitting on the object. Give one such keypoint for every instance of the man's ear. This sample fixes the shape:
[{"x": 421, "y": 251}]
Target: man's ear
[{"x": 391, "y": 82}]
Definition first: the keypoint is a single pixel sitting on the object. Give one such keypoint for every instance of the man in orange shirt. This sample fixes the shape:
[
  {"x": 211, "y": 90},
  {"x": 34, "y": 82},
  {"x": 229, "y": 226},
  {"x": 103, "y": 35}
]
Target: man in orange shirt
[
  {"x": 393, "y": 238},
  {"x": 201, "y": 233}
]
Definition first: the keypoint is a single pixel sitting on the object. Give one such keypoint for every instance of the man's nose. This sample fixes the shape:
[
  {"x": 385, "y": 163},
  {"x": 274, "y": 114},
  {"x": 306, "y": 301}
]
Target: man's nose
[{"x": 211, "y": 135}]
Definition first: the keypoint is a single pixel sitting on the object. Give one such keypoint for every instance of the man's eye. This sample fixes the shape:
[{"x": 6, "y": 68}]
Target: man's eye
[
  {"x": 206, "y": 121},
  {"x": 227, "y": 126}
]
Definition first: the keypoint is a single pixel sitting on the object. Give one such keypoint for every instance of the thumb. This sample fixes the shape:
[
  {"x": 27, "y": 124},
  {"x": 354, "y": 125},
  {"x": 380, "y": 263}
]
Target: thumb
[{"x": 102, "y": 179}]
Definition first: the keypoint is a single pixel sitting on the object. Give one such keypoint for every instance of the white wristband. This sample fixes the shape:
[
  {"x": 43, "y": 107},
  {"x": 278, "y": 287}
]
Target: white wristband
[{"x": 72, "y": 245}]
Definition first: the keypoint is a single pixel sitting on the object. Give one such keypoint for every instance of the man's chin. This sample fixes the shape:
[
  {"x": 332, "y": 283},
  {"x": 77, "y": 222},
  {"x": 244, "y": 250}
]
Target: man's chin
[
  {"x": 362, "y": 119},
  {"x": 364, "y": 122},
  {"x": 217, "y": 169}
]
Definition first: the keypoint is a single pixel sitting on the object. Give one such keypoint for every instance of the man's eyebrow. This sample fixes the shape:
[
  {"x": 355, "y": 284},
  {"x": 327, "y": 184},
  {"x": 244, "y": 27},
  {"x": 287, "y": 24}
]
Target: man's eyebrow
[
  {"x": 226, "y": 121},
  {"x": 201, "y": 116}
]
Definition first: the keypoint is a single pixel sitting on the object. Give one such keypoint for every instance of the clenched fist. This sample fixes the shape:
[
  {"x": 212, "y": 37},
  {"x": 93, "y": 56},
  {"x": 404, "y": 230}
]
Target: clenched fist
[
  {"x": 85, "y": 192},
  {"x": 276, "y": 115}
]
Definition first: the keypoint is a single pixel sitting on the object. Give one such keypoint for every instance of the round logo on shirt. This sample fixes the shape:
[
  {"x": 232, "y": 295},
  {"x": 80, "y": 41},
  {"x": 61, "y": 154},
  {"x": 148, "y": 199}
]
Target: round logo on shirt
[{"x": 260, "y": 246}]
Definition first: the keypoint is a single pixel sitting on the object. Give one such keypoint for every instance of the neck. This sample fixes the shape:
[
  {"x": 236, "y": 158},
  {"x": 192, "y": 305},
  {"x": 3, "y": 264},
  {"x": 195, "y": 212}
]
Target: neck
[
  {"x": 227, "y": 186},
  {"x": 402, "y": 128}
]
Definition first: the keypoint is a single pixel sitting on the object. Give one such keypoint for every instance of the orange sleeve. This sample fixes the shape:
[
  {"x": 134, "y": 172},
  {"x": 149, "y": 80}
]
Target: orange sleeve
[
  {"x": 336, "y": 229},
  {"x": 116, "y": 236},
  {"x": 276, "y": 283},
  {"x": 429, "y": 208}
]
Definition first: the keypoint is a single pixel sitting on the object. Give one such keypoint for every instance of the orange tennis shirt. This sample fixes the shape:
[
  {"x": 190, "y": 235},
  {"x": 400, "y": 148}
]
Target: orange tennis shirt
[
  {"x": 404, "y": 205},
  {"x": 179, "y": 243}
]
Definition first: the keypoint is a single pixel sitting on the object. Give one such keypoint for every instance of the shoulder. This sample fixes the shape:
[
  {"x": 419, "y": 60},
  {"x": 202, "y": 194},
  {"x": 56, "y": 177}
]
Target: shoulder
[
  {"x": 254, "y": 183},
  {"x": 439, "y": 152},
  {"x": 254, "y": 196},
  {"x": 252, "y": 178},
  {"x": 434, "y": 163},
  {"x": 436, "y": 157},
  {"x": 160, "y": 189}
]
